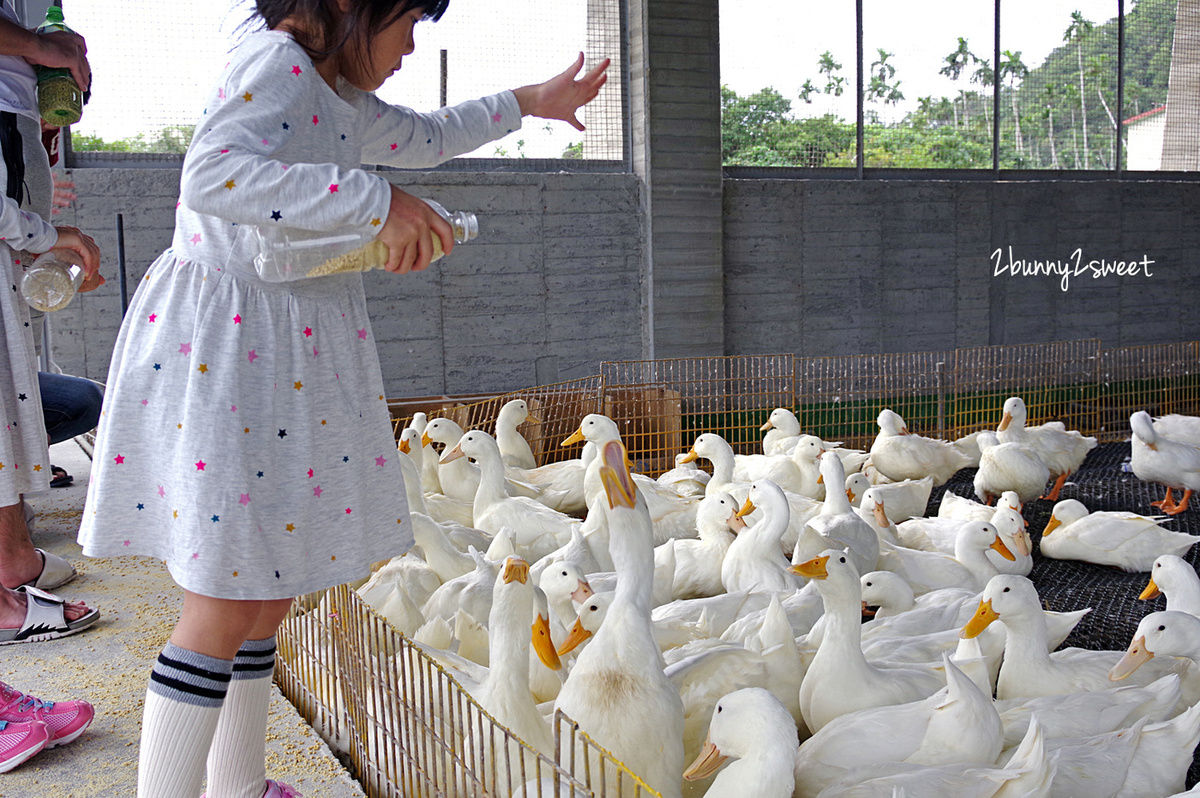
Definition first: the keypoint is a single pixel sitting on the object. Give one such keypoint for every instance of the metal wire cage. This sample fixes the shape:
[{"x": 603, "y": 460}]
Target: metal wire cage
[{"x": 407, "y": 728}]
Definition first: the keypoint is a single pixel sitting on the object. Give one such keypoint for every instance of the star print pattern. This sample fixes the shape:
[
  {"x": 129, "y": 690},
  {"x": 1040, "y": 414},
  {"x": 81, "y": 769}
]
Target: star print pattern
[{"x": 241, "y": 501}]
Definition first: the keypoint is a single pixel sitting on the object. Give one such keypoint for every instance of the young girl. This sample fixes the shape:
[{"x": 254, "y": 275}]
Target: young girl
[{"x": 245, "y": 438}]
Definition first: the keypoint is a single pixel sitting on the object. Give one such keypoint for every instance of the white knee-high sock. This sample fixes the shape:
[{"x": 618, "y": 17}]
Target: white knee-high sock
[
  {"x": 183, "y": 703},
  {"x": 237, "y": 760}
]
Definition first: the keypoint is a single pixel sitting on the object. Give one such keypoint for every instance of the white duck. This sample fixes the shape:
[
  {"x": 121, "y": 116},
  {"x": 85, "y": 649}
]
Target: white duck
[
  {"x": 965, "y": 509},
  {"x": 955, "y": 724},
  {"x": 872, "y": 510},
  {"x": 1168, "y": 633},
  {"x": 751, "y": 727},
  {"x": 514, "y": 449},
  {"x": 472, "y": 592},
  {"x": 1156, "y": 457},
  {"x": 1028, "y": 669},
  {"x": 1177, "y": 580},
  {"x": 903, "y": 500},
  {"x": 438, "y": 506},
  {"x": 686, "y": 478},
  {"x": 564, "y": 583},
  {"x": 899, "y": 454},
  {"x": 1125, "y": 540},
  {"x": 1013, "y": 465},
  {"x": 1061, "y": 449},
  {"x": 698, "y": 562},
  {"x": 428, "y": 457},
  {"x": 968, "y": 567},
  {"x": 617, "y": 690},
  {"x": 459, "y": 478},
  {"x": 1177, "y": 427},
  {"x": 754, "y": 560},
  {"x": 780, "y": 432},
  {"x": 837, "y": 526},
  {"x": 839, "y": 678}
]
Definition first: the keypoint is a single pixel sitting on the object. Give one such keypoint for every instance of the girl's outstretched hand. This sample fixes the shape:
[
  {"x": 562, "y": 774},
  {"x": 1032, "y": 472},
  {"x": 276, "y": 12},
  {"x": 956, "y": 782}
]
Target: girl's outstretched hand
[
  {"x": 408, "y": 232},
  {"x": 562, "y": 95},
  {"x": 80, "y": 248}
]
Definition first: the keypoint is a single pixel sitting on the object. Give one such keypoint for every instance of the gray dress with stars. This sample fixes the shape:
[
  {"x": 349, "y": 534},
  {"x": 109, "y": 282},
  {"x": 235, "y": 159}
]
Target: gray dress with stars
[{"x": 245, "y": 437}]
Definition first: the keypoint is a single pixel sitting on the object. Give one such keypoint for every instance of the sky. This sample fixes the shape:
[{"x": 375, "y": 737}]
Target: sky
[{"x": 182, "y": 45}]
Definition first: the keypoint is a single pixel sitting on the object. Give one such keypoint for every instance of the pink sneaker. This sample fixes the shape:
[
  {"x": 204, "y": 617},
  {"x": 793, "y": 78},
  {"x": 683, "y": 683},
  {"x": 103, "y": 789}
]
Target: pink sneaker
[
  {"x": 65, "y": 720},
  {"x": 20, "y": 741},
  {"x": 275, "y": 789}
]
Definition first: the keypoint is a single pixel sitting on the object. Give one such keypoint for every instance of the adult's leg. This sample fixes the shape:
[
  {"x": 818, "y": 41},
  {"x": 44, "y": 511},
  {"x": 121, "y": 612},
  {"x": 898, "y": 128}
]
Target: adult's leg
[
  {"x": 70, "y": 405},
  {"x": 19, "y": 560},
  {"x": 188, "y": 688}
]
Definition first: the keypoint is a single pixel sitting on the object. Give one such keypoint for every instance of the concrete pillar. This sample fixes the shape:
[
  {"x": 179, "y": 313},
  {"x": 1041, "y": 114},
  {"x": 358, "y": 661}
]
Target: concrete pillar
[{"x": 675, "y": 108}]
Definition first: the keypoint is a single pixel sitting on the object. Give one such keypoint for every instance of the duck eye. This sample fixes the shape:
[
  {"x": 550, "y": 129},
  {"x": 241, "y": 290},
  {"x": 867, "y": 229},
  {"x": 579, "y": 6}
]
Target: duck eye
[
  {"x": 841, "y": 559},
  {"x": 868, "y": 584},
  {"x": 1162, "y": 628},
  {"x": 718, "y": 709},
  {"x": 1006, "y": 589}
]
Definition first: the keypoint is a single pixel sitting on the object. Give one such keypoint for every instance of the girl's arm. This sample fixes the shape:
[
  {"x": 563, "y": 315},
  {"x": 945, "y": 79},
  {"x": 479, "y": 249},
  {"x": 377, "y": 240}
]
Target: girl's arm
[
  {"x": 404, "y": 138},
  {"x": 23, "y": 230}
]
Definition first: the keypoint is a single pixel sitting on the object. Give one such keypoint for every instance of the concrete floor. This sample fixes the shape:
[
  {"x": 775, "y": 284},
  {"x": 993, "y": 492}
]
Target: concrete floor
[{"x": 110, "y": 663}]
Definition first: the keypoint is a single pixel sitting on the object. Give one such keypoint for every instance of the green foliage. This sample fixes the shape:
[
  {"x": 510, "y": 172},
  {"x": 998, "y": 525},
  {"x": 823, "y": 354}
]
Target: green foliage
[
  {"x": 172, "y": 139},
  {"x": 1045, "y": 116}
]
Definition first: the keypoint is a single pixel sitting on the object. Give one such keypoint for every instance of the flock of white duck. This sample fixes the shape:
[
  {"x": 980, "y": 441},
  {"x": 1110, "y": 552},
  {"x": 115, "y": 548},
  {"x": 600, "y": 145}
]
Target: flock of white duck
[{"x": 716, "y": 618}]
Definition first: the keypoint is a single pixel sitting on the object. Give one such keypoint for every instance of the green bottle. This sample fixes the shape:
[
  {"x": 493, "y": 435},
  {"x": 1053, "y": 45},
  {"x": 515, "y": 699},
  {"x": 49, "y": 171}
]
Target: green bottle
[{"x": 60, "y": 102}]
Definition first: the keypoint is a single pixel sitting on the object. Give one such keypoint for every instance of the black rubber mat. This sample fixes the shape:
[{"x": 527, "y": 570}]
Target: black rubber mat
[{"x": 1101, "y": 483}]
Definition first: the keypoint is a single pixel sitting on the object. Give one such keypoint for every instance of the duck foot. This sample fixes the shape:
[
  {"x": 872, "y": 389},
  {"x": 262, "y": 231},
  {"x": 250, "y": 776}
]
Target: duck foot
[
  {"x": 1058, "y": 486},
  {"x": 1165, "y": 502},
  {"x": 1176, "y": 509}
]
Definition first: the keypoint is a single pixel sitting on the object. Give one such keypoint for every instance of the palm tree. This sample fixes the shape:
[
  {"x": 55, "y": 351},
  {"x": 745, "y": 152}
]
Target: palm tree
[
  {"x": 955, "y": 64},
  {"x": 1050, "y": 95},
  {"x": 882, "y": 73},
  {"x": 1014, "y": 70},
  {"x": 1077, "y": 31}
]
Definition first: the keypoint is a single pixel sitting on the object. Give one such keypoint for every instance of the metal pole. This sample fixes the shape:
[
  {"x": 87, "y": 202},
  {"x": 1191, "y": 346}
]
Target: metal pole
[
  {"x": 858, "y": 10},
  {"x": 996, "y": 96},
  {"x": 121, "y": 264},
  {"x": 1120, "y": 79},
  {"x": 443, "y": 79}
]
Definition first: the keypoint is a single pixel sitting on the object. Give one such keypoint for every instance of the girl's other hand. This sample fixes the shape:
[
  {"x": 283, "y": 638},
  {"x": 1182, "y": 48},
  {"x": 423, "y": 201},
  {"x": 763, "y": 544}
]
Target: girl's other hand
[
  {"x": 408, "y": 233},
  {"x": 80, "y": 248},
  {"x": 562, "y": 95}
]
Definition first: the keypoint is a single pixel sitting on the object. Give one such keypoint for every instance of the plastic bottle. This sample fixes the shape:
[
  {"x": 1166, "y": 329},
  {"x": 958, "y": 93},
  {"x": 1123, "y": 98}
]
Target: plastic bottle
[
  {"x": 60, "y": 102},
  {"x": 290, "y": 254},
  {"x": 51, "y": 283}
]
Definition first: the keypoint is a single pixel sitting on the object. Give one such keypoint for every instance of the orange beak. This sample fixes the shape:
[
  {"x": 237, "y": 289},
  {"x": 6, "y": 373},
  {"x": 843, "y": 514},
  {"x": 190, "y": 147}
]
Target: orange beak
[{"x": 706, "y": 764}]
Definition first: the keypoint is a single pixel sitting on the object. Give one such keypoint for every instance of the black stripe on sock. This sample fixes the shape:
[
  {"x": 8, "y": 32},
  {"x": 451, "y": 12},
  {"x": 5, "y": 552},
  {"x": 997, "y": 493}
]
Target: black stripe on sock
[
  {"x": 190, "y": 689},
  {"x": 203, "y": 673},
  {"x": 253, "y": 666}
]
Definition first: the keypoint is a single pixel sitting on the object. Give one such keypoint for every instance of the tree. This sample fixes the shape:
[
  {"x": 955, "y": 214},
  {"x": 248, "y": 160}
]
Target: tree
[
  {"x": 1014, "y": 70},
  {"x": 834, "y": 84},
  {"x": 955, "y": 64},
  {"x": 880, "y": 88},
  {"x": 1076, "y": 32}
]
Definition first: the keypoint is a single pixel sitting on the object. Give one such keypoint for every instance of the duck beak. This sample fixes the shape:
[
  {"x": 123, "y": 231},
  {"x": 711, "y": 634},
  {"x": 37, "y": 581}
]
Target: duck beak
[
  {"x": 618, "y": 484},
  {"x": 766, "y": 426},
  {"x": 850, "y": 495},
  {"x": 452, "y": 455},
  {"x": 577, "y": 635},
  {"x": 735, "y": 522},
  {"x": 813, "y": 569},
  {"x": 867, "y": 612},
  {"x": 404, "y": 447},
  {"x": 575, "y": 437},
  {"x": 582, "y": 592},
  {"x": 820, "y": 479},
  {"x": 1005, "y": 420},
  {"x": 880, "y": 516},
  {"x": 1022, "y": 540},
  {"x": 746, "y": 509},
  {"x": 706, "y": 764},
  {"x": 1134, "y": 658},
  {"x": 530, "y": 418},
  {"x": 1152, "y": 447},
  {"x": 1051, "y": 525},
  {"x": 999, "y": 547},
  {"x": 543, "y": 645},
  {"x": 1150, "y": 592},
  {"x": 982, "y": 618},
  {"x": 904, "y": 431},
  {"x": 425, "y": 440},
  {"x": 515, "y": 570},
  {"x": 690, "y": 457}
]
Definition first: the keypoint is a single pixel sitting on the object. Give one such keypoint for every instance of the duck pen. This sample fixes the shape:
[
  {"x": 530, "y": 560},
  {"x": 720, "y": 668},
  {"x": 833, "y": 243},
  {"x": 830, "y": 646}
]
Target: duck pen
[{"x": 404, "y": 726}]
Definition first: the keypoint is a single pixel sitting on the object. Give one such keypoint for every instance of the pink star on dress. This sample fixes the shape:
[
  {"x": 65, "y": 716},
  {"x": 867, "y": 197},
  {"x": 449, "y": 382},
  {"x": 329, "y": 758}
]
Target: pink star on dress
[
  {"x": 128, "y": 542},
  {"x": 251, "y": 356},
  {"x": 314, "y": 351},
  {"x": 237, "y": 319},
  {"x": 264, "y": 141},
  {"x": 152, "y": 317},
  {"x": 317, "y": 491},
  {"x": 496, "y": 117},
  {"x": 362, "y": 334},
  {"x": 145, "y": 402},
  {"x": 161, "y": 492},
  {"x": 333, "y": 188},
  {"x": 221, "y": 94},
  {"x": 380, "y": 461},
  {"x": 244, "y": 499},
  {"x": 310, "y": 473},
  {"x": 296, "y": 70},
  {"x": 195, "y": 555},
  {"x": 185, "y": 349},
  {"x": 308, "y": 332},
  {"x": 119, "y": 459},
  {"x": 315, "y": 120},
  {"x": 196, "y": 238},
  {"x": 200, "y": 464},
  {"x": 394, "y": 146},
  {"x": 347, "y": 511},
  {"x": 233, "y": 408}
]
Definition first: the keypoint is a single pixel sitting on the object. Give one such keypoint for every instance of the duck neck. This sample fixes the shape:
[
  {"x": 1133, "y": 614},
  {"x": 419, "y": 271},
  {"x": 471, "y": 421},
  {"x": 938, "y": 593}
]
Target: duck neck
[
  {"x": 509, "y": 639},
  {"x": 1184, "y": 597},
  {"x": 722, "y": 465},
  {"x": 1026, "y": 637},
  {"x": 633, "y": 559},
  {"x": 491, "y": 479}
]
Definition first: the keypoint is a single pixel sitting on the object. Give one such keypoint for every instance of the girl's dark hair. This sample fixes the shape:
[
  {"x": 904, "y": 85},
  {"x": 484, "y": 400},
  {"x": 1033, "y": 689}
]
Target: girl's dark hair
[{"x": 328, "y": 30}]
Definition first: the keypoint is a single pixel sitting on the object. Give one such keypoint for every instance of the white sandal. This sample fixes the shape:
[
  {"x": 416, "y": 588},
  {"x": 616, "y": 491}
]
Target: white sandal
[{"x": 45, "y": 619}]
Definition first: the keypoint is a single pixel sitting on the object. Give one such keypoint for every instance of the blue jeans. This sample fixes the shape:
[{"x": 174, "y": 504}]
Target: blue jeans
[{"x": 70, "y": 405}]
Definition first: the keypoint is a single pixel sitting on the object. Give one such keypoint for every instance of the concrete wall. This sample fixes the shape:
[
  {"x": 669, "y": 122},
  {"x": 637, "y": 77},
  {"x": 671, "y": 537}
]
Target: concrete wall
[
  {"x": 551, "y": 287},
  {"x": 837, "y": 267}
]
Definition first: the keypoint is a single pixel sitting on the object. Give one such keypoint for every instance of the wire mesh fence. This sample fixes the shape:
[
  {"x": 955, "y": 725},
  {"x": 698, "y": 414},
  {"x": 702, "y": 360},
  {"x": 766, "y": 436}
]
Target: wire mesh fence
[
  {"x": 405, "y": 726},
  {"x": 660, "y": 406}
]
